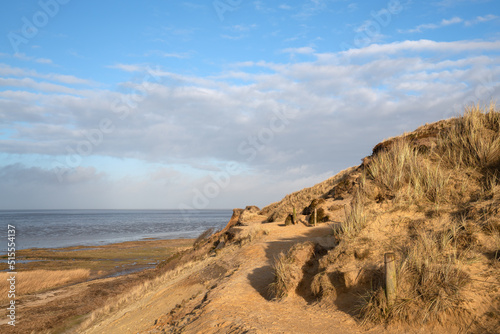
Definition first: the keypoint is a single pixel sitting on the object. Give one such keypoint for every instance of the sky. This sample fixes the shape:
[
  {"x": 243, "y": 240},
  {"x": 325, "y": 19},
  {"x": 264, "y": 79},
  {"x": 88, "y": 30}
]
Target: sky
[{"x": 221, "y": 104}]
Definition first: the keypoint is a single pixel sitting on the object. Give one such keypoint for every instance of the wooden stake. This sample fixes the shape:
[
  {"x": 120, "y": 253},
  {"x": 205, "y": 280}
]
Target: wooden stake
[
  {"x": 390, "y": 278},
  {"x": 315, "y": 216}
]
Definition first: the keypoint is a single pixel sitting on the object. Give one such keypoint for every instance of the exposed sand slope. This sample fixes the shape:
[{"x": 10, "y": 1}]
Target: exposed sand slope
[{"x": 238, "y": 302}]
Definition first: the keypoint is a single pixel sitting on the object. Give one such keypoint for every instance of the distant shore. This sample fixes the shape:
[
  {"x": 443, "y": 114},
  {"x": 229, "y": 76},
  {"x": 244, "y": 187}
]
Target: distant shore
[
  {"x": 79, "y": 279},
  {"x": 92, "y": 228},
  {"x": 112, "y": 259}
]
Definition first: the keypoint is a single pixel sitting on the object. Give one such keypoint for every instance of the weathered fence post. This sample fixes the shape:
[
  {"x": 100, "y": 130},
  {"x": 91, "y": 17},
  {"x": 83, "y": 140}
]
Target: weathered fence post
[
  {"x": 294, "y": 217},
  {"x": 390, "y": 278},
  {"x": 315, "y": 216}
]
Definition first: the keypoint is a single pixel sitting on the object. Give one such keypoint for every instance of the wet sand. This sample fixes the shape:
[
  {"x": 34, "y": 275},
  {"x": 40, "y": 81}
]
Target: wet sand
[
  {"x": 103, "y": 261},
  {"x": 114, "y": 269}
]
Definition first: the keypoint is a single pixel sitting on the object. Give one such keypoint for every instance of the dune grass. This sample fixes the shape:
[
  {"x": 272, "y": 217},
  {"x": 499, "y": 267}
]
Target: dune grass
[
  {"x": 355, "y": 219},
  {"x": 409, "y": 174},
  {"x": 287, "y": 269},
  {"x": 465, "y": 157},
  {"x": 431, "y": 283},
  {"x": 472, "y": 140},
  {"x": 39, "y": 280},
  {"x": 282, "y": 283}
]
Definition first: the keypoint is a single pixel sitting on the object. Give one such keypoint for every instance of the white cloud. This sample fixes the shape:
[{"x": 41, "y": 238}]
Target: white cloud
[
  {"x": 311, "y": 8},
  {"x": 233, "y": 37},
  {"x": 43, "y": 61},
  {"x": 24, "y": 57},
  {"x": 285, "y": 123},
  {"x": 243, "y": 27},
  {"x": 301, "y": 50},
  {"x": 128, "y": 67},
  {"x": 424, "y": 45},
  {"x": 427, "y": 26},
  {"x": 28, "y": 83},
  {"x": 352, "y": 7},
  {"x": 6, "y": 70},
  {"x": 481, "y": 19},
  {"x": 448, "y": 22},
  {"x": 159, "y": 53}
]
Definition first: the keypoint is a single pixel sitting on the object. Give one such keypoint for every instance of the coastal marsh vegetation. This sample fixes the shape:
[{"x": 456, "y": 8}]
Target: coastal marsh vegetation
[
  {"x": 77, "y": 270},
  {"x": 28, "y": 282},
  {"x": 100, "y": 260}
]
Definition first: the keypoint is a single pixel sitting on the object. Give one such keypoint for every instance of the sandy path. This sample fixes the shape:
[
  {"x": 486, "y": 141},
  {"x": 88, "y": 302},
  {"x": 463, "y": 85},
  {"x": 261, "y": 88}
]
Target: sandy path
[
  {"x": 243, "y": 303},
  {"x": 239, "y": 301}
]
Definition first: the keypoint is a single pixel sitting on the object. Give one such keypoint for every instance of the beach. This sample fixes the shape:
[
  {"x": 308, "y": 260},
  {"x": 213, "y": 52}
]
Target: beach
[{"x": 68, "y": 283}]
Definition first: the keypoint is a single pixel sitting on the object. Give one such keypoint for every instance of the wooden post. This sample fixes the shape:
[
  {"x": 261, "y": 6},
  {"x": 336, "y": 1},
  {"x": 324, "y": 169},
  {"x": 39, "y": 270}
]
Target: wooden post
[
  {"x": 294, "y": 217},
  {"x": 315, "y": 216},
  {"x": 390, "y": 278}
]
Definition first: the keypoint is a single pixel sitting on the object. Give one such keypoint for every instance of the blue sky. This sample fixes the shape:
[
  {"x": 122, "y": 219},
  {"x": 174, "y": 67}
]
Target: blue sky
[{"x": 226, "y": 103}]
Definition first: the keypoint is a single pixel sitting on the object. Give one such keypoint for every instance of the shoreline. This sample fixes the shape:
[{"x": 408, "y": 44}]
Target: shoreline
[
  {"x": 88, "y": 245},
  {"x": 99, "y": 243},
  {"x": 109, "y": 260},
  {"x": 112, "y": 269}
]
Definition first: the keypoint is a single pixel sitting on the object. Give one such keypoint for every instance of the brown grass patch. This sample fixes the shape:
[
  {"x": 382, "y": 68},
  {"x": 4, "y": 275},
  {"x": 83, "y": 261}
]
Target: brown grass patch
[
  {"x": 203, "y": 237},
  {"x": 38, "y": 280},
  {"x": 355, "y": 219},
  {"x": 472, "y": 140},
  {"x": 323, "y": 287},
  {"x": 430, "y": 284},
  {"x": 288, "y": 269},
  {"x": 408, "y": 174}
]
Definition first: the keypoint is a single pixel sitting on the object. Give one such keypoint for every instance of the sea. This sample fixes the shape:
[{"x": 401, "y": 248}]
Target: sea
[{"x": 65, "y": 228}]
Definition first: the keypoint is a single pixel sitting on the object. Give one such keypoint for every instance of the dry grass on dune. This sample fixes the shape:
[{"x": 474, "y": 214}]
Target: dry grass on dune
[
  {"x": 432, "y": 198},
  {"x": 38, "y": 280},
  {"x": 355, "y": 219},
  {"x": 472, "y": 140},
  {"x": 408, "y": 173},
  {"x": 432, "y": 283},
  {"x": 432, "y": 264},
  {"x": 288, "y": 271}
]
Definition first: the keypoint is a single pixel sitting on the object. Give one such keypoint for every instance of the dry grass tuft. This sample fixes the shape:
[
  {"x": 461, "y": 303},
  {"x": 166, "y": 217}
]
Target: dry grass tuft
[
  {"x": 38, "y": 280},
  {"x": 283, "y": 276},
  {"x": 472, "y": 140},
  {"x": 203, "y": 237},
  {"x": 431, "y": 284},
  {"x": 323, "y": 287},
  {"x": 408, "y": 174},
  {"x": 392, "y": 167},
  {"x": 355, "y": 219},
  {"x": 288, "y": 269},
  {"x": 250, "y": 234}
]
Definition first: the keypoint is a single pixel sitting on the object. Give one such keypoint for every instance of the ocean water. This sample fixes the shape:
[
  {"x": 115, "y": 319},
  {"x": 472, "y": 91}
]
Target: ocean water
[{"x": 64, "y": 228}]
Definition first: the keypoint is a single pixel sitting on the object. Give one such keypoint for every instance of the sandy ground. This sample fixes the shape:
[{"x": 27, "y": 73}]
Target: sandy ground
[{"x": 237, "y": 302}]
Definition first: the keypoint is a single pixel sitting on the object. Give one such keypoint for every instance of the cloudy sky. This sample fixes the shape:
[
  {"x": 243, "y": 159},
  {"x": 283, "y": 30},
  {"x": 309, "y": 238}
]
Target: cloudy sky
[{"x": 226, "y": 103}]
